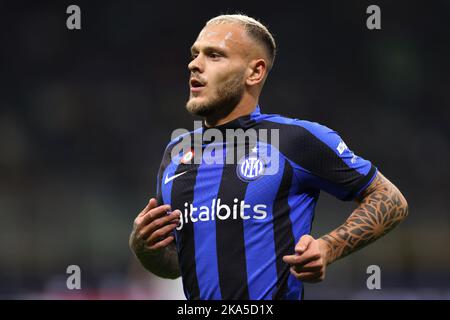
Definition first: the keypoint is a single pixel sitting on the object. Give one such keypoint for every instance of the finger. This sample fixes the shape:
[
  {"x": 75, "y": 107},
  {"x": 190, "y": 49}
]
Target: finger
[
  {"x": 313, "y": 266},
  {"x": 159, "y": 234},
  {"x": 162, "y": 231},
  {"x": 303, "y": 259},
  {"x": 300, "y": 260},
  {"x": 290, "y": 259},
  {"x": 155, "y": 213},
  {"x": 307, "y": 276},
  {"x": 308, "y": 257},
  {"x": 303, "y": 243},
  {"x": 162, "y": 243},
  {"x": 152, "y": 203},
  {"x": 172, "y": 218}
]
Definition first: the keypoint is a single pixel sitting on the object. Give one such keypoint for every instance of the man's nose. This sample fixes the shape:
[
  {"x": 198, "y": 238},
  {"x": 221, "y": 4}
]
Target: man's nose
[{"x": 196, "y": 65}]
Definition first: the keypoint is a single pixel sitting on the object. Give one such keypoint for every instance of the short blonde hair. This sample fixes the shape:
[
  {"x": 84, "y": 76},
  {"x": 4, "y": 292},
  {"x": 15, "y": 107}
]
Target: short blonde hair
[{"x": 255, "y": 29}]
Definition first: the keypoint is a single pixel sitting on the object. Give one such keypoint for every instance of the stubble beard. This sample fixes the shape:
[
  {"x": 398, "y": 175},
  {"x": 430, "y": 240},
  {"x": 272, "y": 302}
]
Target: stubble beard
[{"x": 224, "y": 101}]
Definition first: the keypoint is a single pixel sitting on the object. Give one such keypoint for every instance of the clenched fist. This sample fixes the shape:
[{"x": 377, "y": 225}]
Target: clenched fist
[{"x": 309, "y": 262}]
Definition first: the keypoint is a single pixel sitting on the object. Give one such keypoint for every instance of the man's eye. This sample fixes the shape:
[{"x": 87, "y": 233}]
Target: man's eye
[
  {"x": 215, "y": 55},
  {"x": 193, "y": 56}
]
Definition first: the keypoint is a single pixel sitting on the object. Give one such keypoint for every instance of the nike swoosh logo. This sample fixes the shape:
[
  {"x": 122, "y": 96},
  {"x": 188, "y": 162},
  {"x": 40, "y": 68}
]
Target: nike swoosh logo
[{"x": 167, "y": 180}]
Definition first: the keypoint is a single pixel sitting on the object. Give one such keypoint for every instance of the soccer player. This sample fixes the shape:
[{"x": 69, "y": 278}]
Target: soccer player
[{"x": 239, "y": 230}]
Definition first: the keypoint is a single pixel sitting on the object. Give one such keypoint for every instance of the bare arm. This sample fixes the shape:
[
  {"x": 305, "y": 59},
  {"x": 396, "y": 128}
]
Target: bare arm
[
  {"x": 381, "y": 208},
  {"x": 152, "y": 242},
  {"x": 164, "y": 263}
]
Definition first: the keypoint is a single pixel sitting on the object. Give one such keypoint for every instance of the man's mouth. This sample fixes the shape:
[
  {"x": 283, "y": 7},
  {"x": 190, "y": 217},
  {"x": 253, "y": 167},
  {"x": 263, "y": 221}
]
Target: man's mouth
[{"x": 196, "y": 85}]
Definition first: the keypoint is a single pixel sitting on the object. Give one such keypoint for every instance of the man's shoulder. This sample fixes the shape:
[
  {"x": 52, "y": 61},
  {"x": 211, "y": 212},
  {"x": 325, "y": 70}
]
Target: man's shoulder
[
  {"x": 293, "y": 126},
  {"x": 181, "y": 137}
]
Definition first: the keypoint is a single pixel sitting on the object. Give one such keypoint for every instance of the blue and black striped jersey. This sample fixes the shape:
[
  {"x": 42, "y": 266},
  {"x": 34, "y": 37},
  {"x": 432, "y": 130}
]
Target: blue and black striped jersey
[{"x": 238, "y": 220}]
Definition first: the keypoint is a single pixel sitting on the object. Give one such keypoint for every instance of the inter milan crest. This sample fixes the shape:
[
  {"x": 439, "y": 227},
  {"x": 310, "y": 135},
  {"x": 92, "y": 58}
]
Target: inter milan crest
[{"x": 251, "y": 167}]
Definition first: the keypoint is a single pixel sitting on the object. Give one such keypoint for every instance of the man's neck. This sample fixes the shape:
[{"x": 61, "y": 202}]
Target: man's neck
[{"x": 240, "y": 110}]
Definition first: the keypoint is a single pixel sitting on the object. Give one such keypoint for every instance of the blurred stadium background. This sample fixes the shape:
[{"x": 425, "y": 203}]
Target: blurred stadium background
[{"x": 85, "y": 116}]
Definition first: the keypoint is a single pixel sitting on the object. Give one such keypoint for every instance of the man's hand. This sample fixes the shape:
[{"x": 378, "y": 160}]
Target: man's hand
[
  {"x": 151, "y": 240},
  {"x": 309, "y": 262},
  {"x": 152, "y": 228}
]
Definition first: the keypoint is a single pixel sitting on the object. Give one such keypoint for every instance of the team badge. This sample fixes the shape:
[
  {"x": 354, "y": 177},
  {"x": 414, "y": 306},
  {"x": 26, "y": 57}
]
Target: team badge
[{"x": 251, "y": 167}]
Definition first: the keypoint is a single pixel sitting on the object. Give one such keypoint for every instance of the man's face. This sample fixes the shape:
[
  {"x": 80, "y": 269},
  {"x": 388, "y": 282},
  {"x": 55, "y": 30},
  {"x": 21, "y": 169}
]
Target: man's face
[{"x": 218, "y": 66}]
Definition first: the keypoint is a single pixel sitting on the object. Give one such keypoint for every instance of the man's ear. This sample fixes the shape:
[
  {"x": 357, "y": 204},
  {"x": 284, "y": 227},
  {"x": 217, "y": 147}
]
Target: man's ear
[{"x": 257, "y": 71}]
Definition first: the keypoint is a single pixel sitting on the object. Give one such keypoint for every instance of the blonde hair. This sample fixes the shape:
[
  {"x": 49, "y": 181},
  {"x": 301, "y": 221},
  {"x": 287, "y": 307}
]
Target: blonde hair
[{"x": 255, "y": 30}]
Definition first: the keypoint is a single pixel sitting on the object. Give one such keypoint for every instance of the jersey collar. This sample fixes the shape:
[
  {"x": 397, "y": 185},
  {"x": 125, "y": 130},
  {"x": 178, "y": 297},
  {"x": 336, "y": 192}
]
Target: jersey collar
[{"x": 243, "y": 122}]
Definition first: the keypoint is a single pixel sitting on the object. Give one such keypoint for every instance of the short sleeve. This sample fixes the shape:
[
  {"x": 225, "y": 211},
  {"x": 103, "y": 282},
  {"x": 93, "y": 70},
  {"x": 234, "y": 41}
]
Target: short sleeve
[
  {"x": 326, "y": 162},
  {"x": 162, "y": 167},
  {"x": 159, "y": 197}
]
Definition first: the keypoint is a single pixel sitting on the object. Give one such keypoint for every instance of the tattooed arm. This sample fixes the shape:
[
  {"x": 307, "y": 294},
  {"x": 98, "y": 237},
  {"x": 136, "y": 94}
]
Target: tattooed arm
[{"x": 381, "y": 208}]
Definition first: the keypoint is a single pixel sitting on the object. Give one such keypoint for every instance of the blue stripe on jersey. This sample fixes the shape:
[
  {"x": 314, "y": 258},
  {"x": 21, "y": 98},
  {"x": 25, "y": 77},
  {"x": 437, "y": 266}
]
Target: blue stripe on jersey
[
  {"x": 331, "y": 138},
  {"x": 167, "y": 190},
  {"x": 259, "y": 236},
  {"x": 256, "y": 113},
  {"x": 207, "y": 188},
  {"x": 302, "y": 213}
]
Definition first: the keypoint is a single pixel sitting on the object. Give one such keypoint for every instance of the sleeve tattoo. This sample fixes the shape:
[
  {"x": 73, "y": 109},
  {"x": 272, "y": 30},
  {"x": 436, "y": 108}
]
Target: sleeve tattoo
[
  {"x": 381, "y": 208},
  {"x": 163, "y": 264}
]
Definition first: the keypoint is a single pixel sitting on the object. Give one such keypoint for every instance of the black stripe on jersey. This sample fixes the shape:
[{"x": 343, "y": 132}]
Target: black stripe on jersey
[
  {"x": 308, "y": 151},
  {"x": 182, "y": 192},
  {"x": 282, "y": 231},
  {"x": 230, "y": 242}
]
